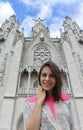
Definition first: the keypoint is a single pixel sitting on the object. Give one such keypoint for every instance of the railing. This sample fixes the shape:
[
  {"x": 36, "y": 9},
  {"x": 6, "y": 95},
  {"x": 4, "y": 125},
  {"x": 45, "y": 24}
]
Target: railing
[
  {"x": 67, "y": 91},
  {"x": 24, "y": 92}
]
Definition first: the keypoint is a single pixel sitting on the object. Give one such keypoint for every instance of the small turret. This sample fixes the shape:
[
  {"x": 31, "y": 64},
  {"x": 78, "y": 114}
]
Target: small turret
[
  {"x": 9, "y": 24},
  {"x": 69, "y": 24}
]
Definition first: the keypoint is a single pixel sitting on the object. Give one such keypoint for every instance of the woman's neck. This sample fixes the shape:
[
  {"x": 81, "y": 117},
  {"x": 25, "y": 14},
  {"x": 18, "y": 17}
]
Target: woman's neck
[{"x": 49, "y": 94}]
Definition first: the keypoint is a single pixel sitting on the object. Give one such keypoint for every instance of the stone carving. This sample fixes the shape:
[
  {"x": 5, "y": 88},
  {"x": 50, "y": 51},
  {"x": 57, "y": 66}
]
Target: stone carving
[
  {"x": 39, "y": 20},
  {"x": 41, "y": 54}
]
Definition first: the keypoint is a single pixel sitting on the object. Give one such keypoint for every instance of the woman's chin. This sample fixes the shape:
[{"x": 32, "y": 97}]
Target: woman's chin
[{"x": 46, "y": 89}]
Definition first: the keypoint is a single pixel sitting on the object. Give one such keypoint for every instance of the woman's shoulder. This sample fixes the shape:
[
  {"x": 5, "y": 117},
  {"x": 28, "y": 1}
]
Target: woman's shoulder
[
  {"x": 65, "y": 97},
  {"x": 31, "y": 99}
]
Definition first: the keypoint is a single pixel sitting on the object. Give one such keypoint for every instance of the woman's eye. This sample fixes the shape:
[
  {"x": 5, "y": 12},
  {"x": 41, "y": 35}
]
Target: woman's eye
[
  {"x": 44, "y": 75},
  {"x": 52, "y": 75}
]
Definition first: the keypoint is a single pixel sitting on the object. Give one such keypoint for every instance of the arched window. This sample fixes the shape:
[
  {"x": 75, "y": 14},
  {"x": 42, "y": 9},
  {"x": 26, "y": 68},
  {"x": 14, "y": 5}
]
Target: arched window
[
  {"x": 35, "y": 85},
  {"x": 24, "y": 80}
]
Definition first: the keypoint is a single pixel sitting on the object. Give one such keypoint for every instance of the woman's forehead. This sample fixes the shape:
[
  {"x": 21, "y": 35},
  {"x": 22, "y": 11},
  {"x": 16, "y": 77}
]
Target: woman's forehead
[{"x": 46, "y": 69}]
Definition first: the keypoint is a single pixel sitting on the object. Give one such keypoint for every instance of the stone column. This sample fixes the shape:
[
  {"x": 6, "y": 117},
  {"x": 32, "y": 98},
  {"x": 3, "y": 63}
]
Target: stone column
[
  {"x": 77, "y": 81},
  {"x": 75, "y": 85},
  {"x": 18, "y": 85},
  {"x": 29, "y": 77},
  {"x": 10, "y": 40},
  {"x": 77, "y": 53},
  {"x": 8, "y": 106},
  {"x": 72, "y": 70}
]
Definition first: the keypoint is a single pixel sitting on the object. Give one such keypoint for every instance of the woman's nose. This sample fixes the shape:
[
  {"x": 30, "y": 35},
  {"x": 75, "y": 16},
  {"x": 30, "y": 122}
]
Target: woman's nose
[{"x": 47, "y": 77}]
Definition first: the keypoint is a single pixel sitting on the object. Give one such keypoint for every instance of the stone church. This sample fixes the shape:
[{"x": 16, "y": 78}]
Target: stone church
[{"x": 21, "y": 58}]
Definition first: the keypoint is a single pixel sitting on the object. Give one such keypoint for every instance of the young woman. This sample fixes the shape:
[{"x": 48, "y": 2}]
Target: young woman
[{"x": 49, "y": 109}]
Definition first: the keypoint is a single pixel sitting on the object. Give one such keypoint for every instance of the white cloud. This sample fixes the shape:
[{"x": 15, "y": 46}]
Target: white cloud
[
  {"x": 32, "y": 3},
  {"x": 79, "y": 17},
  {"x": 66, "y": 1},
  {"x": 50, "y": 2},
  {"x": 6, "y": 11},
  {"x": 28, "y": 23},
  {"x": 45, "y": 12},
  {"x": 55, "y": 26}
]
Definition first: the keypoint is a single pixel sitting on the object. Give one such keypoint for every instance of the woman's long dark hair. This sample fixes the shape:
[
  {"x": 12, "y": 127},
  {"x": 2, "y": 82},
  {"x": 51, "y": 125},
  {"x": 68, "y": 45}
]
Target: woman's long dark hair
[{"x": 56, "y": 93}]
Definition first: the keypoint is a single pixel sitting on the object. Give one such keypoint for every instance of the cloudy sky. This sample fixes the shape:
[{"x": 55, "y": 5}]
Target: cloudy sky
[{"x": 54, "y": 11}]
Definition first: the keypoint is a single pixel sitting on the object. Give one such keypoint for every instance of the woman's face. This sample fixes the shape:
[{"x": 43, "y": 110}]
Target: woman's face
[{"x": 47, "y": 79}]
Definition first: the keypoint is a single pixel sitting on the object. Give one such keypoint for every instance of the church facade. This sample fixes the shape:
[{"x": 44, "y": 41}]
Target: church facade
[{"x": 21, "y": 58}]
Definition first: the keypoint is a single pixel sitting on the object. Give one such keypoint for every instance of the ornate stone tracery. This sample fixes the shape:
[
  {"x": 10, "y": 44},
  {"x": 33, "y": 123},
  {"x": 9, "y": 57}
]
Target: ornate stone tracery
[{"x": 41, "y": 54}]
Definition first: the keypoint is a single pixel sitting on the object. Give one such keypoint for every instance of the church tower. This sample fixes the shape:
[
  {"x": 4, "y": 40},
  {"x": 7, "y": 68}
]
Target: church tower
[{"x": 21, "y": 58}]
